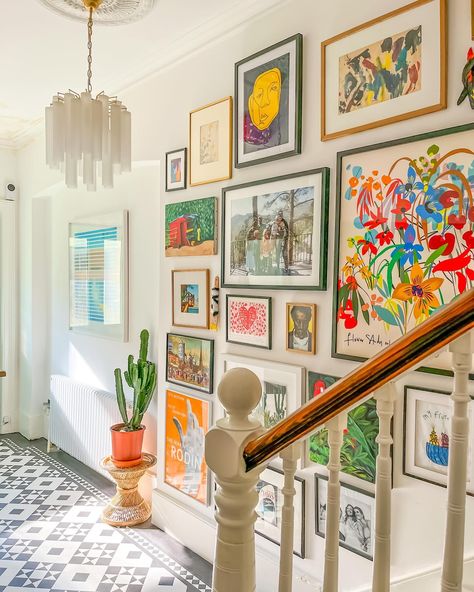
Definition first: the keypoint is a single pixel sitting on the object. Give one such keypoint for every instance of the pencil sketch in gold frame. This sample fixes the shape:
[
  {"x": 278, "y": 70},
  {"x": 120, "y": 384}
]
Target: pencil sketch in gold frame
[
  {"x": 385, "y": 70},
  {"x": 210, "y": 143},
  {"x": 190, "y": 290},
  {"x": 301, "y": 327}
]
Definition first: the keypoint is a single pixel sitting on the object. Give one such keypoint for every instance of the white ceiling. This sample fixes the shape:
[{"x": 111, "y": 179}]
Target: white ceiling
[{"x": 42, "y": 53}]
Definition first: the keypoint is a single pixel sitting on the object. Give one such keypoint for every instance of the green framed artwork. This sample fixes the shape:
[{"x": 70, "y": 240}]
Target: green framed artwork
[
  {"x": 404, "y": 238},
  {"x": 191, "y": 228},
  {"x": 359, "y": 448},
  {"x": 268, "y": 98},
  {"x": 274, "y": 232}
]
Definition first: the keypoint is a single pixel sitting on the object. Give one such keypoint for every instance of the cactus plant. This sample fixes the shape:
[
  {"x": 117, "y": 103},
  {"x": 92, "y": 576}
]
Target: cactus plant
[{"x": 141, "y": 377}]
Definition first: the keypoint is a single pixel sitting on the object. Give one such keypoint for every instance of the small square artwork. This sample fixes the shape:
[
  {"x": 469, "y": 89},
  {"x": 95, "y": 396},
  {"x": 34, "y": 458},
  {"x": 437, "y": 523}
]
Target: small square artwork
[
  {"x": 427, "y": 436},
  {"x": 190, "y": 298},
  {"x": 270, "y": 505},
  {"x": 301, "y": 328},
  {"x": 210, "y": 143},
  {"x": 190, "y": 362},
  {"x": 176, "y": 169},
  {"x": 249, "y": 320},
  {"x": 191, "y": 228},
  {"x": 356, "y": 517}
]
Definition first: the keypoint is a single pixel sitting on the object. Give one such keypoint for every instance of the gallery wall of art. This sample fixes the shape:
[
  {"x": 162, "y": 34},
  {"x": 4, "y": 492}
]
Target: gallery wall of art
[{"x": 161, "y": 107}]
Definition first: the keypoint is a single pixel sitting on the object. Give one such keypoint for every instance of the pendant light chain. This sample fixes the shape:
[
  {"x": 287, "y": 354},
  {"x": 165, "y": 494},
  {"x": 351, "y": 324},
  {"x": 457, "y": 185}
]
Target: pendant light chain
[{"x": 89, "y": 47}]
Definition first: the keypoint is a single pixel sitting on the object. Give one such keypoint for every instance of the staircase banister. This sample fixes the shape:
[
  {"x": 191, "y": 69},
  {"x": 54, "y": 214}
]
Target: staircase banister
[
  {"x": 2, "y": 373},
  {"x": 444, "y": 326}
]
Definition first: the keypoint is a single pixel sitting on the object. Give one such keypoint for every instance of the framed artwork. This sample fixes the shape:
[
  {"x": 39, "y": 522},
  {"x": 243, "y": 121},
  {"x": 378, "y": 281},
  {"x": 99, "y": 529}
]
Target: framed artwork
[
  {"x": 357, "y": 517},
  {"x": 98, "y": 275},
  {"x": 301, "y": 328},
  {"x": 359, "y": 448},
  {"x": 176, "y": 169},
  {"x": 210, "y": 143},
  {"x": 190, "y": 362},
  {"x": 249, "y": 320},
  {"x": 191, "y": 228},
  {"x": 404, "y": 238},
  {"x": 268, "y": 97},
  {"x": 187, "y": 421},
  {"x": 269, "y": 509},
  {"x": 385, "y": 70},
  {"x": 274, "y": 232},
  {"x": 282, "y": 387},
  {"x": 427, "y": 436},
  {"x": 190, "y": 298}
]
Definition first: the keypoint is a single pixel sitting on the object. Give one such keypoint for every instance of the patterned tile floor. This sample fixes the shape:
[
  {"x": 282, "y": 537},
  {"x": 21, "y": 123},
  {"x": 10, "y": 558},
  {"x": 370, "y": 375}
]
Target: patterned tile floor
[{"x": 51, "y": 537}]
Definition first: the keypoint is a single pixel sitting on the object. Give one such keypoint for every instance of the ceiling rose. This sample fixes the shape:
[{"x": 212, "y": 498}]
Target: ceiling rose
[{"x": 110, "y": 12}]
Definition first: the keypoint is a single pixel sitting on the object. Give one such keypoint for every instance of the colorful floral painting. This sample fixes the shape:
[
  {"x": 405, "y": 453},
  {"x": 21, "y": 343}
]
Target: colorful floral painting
[
  {"x": 380, "y": 72},
  {"x": 406, "y": 241},
  {"x": 359, "y": 449}
]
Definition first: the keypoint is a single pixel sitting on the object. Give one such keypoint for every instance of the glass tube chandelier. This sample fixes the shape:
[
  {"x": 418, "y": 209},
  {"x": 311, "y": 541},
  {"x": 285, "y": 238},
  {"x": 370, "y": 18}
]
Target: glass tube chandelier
[{"x": 88, "y": 137}]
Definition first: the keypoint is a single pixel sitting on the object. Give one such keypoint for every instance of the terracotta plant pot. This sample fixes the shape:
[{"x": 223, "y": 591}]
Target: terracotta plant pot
[{"x": 126, "y": 446}]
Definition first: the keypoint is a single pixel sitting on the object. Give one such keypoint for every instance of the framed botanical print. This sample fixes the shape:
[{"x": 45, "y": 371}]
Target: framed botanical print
[
  {"x": 98, "y": 275},
  {"x": 427, "y": 436},
  {"x": 357, "y": 517},
  {"x": 301, "y": 328},
  {"x": 269, "y": 509},
  {"x": 404, "y": 237},
  {"x": 191, "y": 228},
  {"x": 274, "y": 232},
  {"x": 268, "y": 97},
  {"x": 187, "y": 422},
  {"x": 249, "y": 320},
  {"x": 176, "y": 169},
  {"x": 385, "y": 70},
  {"x": 359, "y": 447},
  {"x": 282, "y": 387},
  {"x": 190, "y": 298},
  {"x": 210, "y": 143},
  {"x": 190, "y": 362}
]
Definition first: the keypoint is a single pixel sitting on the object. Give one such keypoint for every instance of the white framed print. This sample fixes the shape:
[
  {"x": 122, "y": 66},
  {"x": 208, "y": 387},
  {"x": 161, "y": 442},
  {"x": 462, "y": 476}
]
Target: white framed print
[
  {"x": 385, "y": 70},
  {"x": 427, "y": 436},
  {"x": 190, "y": 298}
]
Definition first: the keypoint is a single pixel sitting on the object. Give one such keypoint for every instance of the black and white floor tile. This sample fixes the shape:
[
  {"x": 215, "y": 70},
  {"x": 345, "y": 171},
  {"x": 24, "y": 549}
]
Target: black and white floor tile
[{"x": 51, "y": 537}]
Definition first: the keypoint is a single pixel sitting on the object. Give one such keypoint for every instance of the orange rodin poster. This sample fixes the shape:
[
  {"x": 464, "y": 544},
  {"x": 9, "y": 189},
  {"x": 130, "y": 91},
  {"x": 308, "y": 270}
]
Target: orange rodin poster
[{"x": 187, "y": 421}]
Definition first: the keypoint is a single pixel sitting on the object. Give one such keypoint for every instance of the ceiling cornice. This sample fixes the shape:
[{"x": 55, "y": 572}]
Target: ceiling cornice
[{"x": 213, "y": 30}]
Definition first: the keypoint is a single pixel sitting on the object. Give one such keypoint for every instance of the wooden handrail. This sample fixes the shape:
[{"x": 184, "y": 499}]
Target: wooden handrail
[
  {"x": 2, "y": 373},
  {"x": 441, "y": 328}
]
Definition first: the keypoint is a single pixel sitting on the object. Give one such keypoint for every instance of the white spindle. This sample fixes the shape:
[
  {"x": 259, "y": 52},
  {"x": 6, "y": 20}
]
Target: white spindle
[
  {"x": 385, "y": 398},
  {"x": 335, "y": 427},
  {"x": 236, "y": 498},
  {"x": 451, "y": 580},
  {"x": 290, "y": 458}
]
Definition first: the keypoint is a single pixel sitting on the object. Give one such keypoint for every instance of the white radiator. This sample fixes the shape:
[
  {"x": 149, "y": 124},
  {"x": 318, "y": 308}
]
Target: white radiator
[{"x": 80, "y": 419}]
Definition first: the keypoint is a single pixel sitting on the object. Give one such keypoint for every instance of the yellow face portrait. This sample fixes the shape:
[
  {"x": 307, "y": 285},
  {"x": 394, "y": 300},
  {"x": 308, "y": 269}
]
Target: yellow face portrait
[{"x": 264, "y": 102}]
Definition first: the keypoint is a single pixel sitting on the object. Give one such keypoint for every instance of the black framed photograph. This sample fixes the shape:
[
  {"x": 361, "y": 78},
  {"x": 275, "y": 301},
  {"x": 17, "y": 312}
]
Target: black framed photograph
[
  {"x": 249, "y": 320},
  {"x": 356, "y": 517},
  {"x": 427, "y": 436},
  {"x": 190, "y": 362},
  {"x": 268, "y": 96},
  {"x": 269, "y": 509},
  {"x": 176, "y": 169},
  {"x": 274, "y": 232},
  {"x": 403, "y": 238}
]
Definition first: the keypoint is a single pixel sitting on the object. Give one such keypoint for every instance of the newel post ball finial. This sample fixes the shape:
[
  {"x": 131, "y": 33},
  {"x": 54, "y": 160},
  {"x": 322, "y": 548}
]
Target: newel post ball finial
[{"x": 239, "y": 392}]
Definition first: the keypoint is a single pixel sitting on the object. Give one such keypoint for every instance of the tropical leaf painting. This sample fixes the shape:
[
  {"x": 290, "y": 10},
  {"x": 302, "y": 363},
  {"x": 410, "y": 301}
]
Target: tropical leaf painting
[
  {"x": 406, "y": 243},
  {"x": 359, "y": 449}
]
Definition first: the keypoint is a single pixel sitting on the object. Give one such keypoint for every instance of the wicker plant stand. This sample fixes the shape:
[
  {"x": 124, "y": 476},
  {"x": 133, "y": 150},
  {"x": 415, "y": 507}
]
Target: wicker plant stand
[{"x": 127, "y": 507}]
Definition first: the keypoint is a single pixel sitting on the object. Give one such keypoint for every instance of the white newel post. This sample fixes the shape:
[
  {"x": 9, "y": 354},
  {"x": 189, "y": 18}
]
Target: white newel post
[
  {"x": 335, "y": 427},
  {"x": 290, "y": 458},
  {"x": 385, "y": 399},
  {"x": 451, "y": 580},
  {"x": 236, "y": 497}
]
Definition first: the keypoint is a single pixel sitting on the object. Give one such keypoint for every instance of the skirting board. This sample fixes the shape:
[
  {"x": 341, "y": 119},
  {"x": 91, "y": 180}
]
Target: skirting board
[{"x": 32, "y": 427}]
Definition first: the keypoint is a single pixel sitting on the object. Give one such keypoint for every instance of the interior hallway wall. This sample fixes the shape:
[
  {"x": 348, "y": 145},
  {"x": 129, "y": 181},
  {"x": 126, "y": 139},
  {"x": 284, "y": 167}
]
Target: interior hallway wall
[{"x": 160, "y": 107}]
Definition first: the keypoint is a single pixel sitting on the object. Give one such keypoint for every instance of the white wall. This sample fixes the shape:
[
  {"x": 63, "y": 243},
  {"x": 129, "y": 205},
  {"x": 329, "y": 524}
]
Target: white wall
[{"x": 160, "y": 107}]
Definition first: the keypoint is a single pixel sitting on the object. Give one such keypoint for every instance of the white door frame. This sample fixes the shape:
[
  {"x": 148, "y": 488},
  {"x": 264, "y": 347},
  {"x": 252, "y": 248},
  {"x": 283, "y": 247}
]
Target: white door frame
[{"x": 9, "y": 316}]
